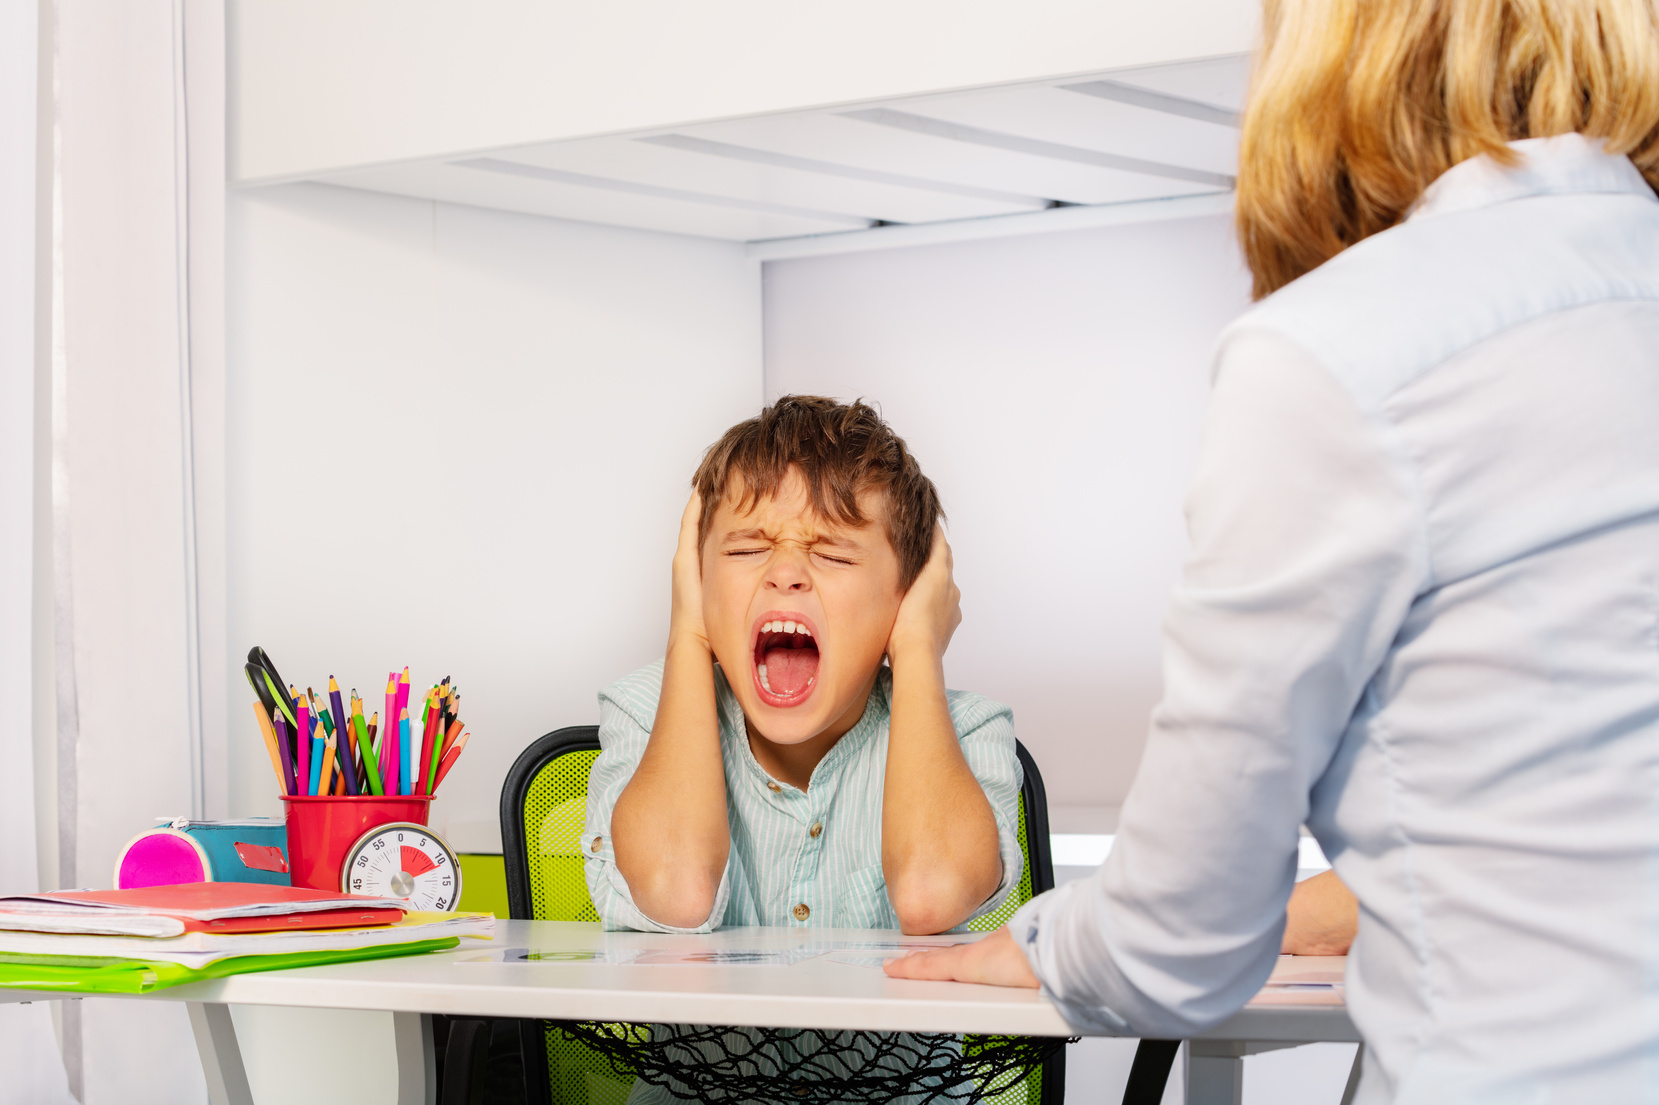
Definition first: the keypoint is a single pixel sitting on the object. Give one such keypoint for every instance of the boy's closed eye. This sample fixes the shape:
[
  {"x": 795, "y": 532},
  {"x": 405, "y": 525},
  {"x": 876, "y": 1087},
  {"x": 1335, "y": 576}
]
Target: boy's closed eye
[{"x": 827, "y": 550}]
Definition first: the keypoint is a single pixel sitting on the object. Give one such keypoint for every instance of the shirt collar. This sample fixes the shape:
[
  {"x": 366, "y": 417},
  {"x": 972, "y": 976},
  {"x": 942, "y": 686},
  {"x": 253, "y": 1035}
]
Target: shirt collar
[
  {"x": 876, "y": 711},
  {"x": 1566, "y": 163}
]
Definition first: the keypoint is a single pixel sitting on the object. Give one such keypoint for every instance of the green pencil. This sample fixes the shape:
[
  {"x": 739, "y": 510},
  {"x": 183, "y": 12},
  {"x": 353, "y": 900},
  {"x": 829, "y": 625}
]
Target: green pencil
[{"x": 370, "y": 768}]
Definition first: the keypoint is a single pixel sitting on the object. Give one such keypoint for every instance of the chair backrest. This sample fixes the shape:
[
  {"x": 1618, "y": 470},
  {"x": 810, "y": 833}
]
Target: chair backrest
[{"x": 544, "y": 808}]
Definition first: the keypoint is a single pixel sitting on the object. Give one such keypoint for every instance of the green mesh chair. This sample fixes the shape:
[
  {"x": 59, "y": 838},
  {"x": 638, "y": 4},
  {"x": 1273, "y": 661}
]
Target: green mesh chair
[{"x": 543, "y": 810}]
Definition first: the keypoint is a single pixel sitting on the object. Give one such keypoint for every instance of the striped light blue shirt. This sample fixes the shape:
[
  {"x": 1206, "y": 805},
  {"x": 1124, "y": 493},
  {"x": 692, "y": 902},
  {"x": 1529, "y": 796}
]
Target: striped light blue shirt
[{"x": 819, "y": 848}]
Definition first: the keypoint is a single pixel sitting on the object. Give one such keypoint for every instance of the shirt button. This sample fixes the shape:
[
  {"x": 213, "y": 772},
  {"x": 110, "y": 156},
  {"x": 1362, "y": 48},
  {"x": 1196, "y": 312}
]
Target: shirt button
[
  {"x": 802, "y": 912},
  {"x": 817, "y": 827},
  {"x": 773, "y": 787},
  {"x": 598, "y": 843}
]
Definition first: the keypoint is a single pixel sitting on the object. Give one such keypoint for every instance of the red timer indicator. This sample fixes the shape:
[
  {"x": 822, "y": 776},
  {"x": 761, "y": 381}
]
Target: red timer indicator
[{"x": 403, "y": 860}]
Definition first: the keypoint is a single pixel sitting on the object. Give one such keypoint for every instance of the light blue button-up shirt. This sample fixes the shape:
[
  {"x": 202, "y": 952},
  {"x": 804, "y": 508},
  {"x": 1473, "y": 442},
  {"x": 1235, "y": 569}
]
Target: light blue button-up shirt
[
  {"x": 799, "y": 858},
  {"x": 1420, "y": 614}
]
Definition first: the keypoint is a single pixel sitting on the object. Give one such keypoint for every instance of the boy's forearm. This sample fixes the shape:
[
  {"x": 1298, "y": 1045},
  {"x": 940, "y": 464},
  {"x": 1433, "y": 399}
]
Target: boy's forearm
[
  {"x": 939, "y": 848},
  {"x": 669, "y": 827}
]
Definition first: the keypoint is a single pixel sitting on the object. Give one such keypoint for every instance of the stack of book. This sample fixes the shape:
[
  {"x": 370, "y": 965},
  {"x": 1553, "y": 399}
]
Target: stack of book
[{"x": 135, "y": 941}]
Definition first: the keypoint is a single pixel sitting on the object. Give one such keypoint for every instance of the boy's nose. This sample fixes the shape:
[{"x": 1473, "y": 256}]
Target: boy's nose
[{"x": 788, "y": 572}]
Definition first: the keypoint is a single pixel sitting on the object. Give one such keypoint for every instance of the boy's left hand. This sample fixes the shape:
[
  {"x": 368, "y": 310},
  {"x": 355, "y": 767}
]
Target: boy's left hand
[
  {"x": 995, "y": 961},
  {"x": 931, "y": 610}
]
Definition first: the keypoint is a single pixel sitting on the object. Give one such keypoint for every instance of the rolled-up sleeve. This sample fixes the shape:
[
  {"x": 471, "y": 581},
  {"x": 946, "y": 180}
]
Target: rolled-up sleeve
[
  {"x": 622, "y": 740},
  {"x": 1307, "y": 551},
  {"x": 985, "y": 730}
]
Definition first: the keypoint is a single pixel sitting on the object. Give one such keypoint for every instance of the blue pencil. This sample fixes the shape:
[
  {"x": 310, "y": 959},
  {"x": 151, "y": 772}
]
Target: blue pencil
[{"x": 406, "y": 769}]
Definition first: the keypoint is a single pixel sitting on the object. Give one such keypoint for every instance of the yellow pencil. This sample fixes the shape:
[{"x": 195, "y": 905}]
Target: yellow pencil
[{"x": 271, "y": 747}]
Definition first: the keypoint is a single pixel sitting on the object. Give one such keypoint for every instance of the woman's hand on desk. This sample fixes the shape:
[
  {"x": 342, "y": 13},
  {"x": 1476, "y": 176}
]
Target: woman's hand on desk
[
  {"x": 995, "y": 961},
  {"x": 1321, "y": 918}
]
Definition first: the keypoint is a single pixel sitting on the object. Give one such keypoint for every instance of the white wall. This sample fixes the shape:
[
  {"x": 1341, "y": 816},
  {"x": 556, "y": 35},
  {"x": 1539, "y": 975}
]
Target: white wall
[
  {"x": 461, "y": 440},
  {"x": 1052, "y": 387}
]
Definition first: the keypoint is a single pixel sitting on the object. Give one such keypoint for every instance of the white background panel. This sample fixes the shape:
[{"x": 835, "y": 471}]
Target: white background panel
[
  {"x": 1052, "y": 387},
  {"x": 483, "y": 188},
  {"x": 1074, "y": 119},
  {"x": 624, "y": 159}
]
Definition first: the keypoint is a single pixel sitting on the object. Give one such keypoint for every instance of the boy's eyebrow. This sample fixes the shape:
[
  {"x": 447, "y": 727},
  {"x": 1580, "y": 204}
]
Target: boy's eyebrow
[{"x": 757, "y": 534}]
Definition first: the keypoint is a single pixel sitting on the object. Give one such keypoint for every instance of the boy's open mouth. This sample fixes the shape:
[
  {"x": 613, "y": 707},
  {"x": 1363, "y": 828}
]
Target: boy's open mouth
[{"x": 786, "y": 660}]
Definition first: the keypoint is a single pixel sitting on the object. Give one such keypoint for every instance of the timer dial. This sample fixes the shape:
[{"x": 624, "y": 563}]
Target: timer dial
[{"x": 403, "y": 860}]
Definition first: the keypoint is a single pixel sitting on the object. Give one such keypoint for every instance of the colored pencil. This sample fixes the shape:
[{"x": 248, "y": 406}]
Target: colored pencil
[
  {"x": 285, "y": 769},
  {"x": 406, "y": 756},
  {"x": 365, "y": 745},
  {"x": 316, "y": 757},
  {"x": 346, "y": 773},
  {"x": 281, "y": 726},
  {"x": 302, "y": 739},
  {"x": 269, "y": 734},
  {"x": 449, "y": 738},
  {"x": 449, "y": 760},
  {"x": 325, "y": 767},
  {"x": 401, "y": 734},
  {"x": 388, "y": 738},
  {"x": 430, "y": 746}
]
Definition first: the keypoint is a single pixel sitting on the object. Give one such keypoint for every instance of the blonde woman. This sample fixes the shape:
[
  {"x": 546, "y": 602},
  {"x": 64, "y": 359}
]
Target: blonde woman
[{"x": 1421, "y": 612}]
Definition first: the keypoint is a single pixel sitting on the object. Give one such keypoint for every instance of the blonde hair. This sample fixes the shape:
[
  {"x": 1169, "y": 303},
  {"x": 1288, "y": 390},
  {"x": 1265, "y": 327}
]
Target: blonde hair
[{"x": 1356, "y": 106}]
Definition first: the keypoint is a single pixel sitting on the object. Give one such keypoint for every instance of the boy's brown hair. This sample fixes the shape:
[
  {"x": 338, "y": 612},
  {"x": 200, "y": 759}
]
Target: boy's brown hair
[{"x": 840, "y": 450}]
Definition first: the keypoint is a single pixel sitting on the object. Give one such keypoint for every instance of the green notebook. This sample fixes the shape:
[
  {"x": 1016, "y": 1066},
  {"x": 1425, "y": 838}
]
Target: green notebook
[{"x": 109, "y": 975}]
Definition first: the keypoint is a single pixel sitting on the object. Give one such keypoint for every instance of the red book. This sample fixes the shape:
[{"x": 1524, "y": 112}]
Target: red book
[{"x": 196, "y": 907}]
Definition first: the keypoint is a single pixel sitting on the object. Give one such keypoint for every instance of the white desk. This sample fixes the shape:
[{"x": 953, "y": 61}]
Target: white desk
[{"x": 815, "y": 993}]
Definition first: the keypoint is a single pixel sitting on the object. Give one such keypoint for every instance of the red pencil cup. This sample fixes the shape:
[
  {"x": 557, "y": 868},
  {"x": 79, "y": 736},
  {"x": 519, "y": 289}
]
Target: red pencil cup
[{"x": 321, "y": 829}]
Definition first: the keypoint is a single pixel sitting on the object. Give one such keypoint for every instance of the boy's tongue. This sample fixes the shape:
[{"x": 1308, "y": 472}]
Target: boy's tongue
[{"x": 789, "y": 669}]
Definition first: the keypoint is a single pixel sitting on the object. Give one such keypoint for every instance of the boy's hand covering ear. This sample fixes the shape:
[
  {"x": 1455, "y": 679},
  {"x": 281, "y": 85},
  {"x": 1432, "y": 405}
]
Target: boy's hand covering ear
[
  {"x": 685, "y": 619},
  {"x": 931, "y": 610},
  {"x": 995, "y": 961}
]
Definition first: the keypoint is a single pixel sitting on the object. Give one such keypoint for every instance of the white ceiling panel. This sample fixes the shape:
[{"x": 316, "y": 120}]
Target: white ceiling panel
[
  {"x": 1220, "y": 82},
  {"x": 511, "y": 192},
  {"x": 1106, "y": 179},
  {"x": 855, "y": 142},
  {"x": 1112, "y": 138},
  {"x": 753, "y": 182},
  {"x": 1091, "y": 123}
]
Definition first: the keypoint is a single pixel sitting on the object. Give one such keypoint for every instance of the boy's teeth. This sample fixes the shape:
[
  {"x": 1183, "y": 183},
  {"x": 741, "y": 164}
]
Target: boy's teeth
[
  {"x": 789, "y": 627},
  {"x": 763, "y": 682},
  {"x": 786, "y": 627}
]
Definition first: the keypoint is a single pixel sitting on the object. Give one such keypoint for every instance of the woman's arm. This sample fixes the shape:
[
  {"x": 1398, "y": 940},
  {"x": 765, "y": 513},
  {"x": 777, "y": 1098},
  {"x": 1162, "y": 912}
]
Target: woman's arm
[
  {"x": 669, "y": 828},
  {"x": 1307, "y": 552},
  {"x": 940, "y": 853}
]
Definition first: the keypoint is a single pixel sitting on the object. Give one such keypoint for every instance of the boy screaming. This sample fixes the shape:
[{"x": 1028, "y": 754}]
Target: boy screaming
[{"x": 771, "y": 770}]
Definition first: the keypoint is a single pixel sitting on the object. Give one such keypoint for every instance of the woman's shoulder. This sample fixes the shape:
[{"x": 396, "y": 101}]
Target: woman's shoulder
[{"x": 1389, "y": 308}]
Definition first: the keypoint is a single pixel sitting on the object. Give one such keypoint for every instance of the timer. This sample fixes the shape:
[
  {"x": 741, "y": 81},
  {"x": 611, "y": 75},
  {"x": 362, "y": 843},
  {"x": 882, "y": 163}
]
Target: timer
[{"x": 403, "y": 860}]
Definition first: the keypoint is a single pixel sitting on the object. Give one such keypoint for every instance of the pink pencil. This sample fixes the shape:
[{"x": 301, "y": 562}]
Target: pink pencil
[
  {"x": 388, "y": 736},
  {"x": 404, "y": 782}
]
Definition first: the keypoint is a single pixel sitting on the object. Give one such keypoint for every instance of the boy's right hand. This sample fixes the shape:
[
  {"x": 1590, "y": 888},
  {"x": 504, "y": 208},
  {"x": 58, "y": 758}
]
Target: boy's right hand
[{"x": 685, "y": 621}]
